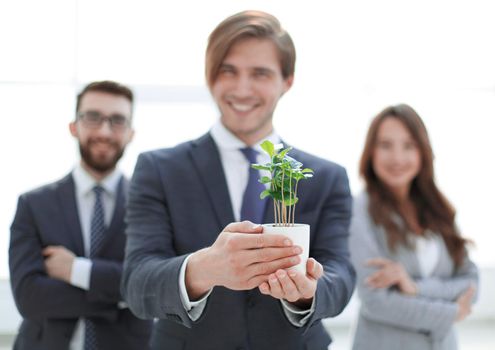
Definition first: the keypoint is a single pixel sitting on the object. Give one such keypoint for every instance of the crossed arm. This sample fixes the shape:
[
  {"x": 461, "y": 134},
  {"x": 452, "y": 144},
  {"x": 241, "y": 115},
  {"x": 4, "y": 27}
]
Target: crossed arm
[
  {"x": 389, "y": 295},
  {"x": 40, "y": 276}
]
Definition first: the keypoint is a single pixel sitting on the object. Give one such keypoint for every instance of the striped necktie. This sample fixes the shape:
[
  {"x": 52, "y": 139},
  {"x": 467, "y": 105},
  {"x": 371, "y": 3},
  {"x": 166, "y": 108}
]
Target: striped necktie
[{"x": 97, "y": 234}]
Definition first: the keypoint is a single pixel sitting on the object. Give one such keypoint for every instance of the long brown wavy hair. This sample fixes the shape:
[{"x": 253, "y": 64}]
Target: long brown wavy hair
[{"x": 433, "y": 209}]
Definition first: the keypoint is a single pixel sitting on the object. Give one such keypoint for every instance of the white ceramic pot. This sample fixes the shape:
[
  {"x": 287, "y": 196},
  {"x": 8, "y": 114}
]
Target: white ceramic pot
[{"x": 298, "y": 234}]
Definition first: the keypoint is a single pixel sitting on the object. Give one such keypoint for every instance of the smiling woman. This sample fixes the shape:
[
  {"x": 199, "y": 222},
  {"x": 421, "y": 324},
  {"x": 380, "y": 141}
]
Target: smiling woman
[
  {"x": 415, "y": 277},
  {"x": 396, "y": 157}
]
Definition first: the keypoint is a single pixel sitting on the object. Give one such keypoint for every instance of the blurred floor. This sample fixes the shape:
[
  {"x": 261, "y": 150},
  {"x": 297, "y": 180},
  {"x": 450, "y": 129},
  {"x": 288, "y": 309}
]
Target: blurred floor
[{"x": 473, "y": 335}]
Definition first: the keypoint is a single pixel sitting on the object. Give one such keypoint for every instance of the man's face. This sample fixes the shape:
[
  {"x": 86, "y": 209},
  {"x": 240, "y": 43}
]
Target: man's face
[
  {"x": 102, "y": 145},
  {"x": 248, "y": 87}
]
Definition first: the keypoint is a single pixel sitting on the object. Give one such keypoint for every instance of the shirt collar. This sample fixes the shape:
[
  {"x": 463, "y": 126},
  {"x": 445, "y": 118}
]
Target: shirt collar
[
  {"x": 226, "y": 140},
  {"x": 85, "y": 182}
]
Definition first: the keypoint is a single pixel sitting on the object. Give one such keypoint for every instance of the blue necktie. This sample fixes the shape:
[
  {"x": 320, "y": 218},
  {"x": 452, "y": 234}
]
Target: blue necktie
[
  {"x": 97, "y": 234},
  {"x": 97, "y": 223},
  {"x": 253, "y": 208}
]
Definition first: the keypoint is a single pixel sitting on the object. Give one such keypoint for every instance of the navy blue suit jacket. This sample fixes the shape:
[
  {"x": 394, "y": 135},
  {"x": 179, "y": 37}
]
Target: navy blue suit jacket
[
  {"x": 50, "y": 308},
  {"x": 178, "y": 203}
]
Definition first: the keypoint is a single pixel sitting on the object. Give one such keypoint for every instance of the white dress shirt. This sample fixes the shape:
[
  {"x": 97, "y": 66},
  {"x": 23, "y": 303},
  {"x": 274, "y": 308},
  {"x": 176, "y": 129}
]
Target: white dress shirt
[
  {"x": 85, "y": 199},
  {"x": 236, "y": 170},
  {"x": 427, "y": 253}
]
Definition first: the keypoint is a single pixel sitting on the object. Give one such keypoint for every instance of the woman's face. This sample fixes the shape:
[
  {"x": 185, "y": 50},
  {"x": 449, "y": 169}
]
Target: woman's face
[{"x": 396, "y": 158}]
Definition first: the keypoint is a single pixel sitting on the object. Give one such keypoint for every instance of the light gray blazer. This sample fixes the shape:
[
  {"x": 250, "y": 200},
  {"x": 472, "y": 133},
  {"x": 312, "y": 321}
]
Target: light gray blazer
[{"x": 390, "y": 320}]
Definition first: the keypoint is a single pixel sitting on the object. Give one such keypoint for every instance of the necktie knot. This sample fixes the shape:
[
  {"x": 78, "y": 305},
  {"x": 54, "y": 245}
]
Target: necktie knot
[
  {"x": 250, "y": 154},
  {"x": 98, "y": 190}
]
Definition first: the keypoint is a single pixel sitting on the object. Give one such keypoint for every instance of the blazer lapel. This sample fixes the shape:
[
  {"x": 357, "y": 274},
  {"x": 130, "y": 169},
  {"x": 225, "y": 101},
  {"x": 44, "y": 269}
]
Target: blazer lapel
[
  {"x": 68, "y": 203},
  {"x": 206, "y": 159}
]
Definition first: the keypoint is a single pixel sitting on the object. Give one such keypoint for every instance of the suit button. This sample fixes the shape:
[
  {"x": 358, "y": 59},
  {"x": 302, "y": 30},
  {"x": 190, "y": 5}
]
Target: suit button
[{"x": 251, "y": 303}]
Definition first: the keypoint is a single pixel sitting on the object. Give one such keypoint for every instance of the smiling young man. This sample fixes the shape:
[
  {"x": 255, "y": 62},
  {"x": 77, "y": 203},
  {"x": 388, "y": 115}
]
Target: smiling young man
[
  {"x": 196, "y": 257},
  {"x": 67, "y": 239}
]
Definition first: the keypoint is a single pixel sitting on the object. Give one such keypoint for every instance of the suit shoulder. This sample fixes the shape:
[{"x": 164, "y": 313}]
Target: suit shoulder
[
  {"x": 46, "y": 190},
  {"x": 316, "y": 163},
  {"x": 168, "y": 153}
]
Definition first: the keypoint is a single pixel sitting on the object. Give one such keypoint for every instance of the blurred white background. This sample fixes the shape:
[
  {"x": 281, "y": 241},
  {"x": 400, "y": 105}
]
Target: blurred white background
[{"x": 354, "y": 59}]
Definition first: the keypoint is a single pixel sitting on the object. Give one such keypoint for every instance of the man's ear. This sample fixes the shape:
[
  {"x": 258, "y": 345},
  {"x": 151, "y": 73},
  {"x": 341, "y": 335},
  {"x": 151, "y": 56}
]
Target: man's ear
[
  {"x": 73, "y": 129},
  {"x": 131, "y": 135},
  {"x": 288, "y": 83}
]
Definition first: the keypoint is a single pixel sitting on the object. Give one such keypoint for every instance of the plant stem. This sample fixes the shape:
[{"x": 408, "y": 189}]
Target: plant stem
[
  {"x": 290, "y": 197},
  {"x": 294, "y": 210},
  {"x": 275, "y": 211},
  {"x": 284, "y": 214}
]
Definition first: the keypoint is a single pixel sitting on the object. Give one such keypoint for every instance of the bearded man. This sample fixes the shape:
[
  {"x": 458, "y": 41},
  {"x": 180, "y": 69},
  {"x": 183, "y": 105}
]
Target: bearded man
[{"x": 67, "y": 239}]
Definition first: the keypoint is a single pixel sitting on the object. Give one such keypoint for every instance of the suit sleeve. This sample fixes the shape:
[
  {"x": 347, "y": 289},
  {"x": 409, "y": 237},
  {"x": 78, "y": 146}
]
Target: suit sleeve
[
  {"x": 450, "y": 288},
  {"x": 330, "y": 248},
  {"x": 36, "y": 294},
  {"x": 387, "y": 305},
  {"x": 104, "y": 283},
  {"x": 150, "y": 281}
]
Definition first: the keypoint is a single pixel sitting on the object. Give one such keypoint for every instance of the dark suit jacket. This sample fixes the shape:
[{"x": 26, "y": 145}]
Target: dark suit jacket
[
  {"x": 50, "y": 307},
  {"x": 178, "y": 203}
]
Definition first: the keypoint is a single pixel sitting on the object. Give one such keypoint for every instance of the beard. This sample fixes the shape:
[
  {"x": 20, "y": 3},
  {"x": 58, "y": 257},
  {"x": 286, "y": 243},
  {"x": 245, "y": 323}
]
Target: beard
[{"x": 98, "y": 164}]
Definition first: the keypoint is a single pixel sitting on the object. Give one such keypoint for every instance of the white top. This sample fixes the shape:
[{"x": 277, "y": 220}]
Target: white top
[
  {"x": 427, "y": 253},
  {"x": 85, "y": 199}
]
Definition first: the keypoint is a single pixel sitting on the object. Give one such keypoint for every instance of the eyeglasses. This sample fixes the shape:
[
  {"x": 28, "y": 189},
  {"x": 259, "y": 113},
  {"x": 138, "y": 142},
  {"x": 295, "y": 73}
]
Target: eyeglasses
[{"x": 94, "y": 120}]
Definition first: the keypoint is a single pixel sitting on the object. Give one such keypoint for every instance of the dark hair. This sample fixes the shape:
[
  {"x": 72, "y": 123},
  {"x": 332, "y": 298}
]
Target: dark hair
[
  {"x": 110, "y": 87},
  {"x": 243, "y": 25},
  {"x": 433, "y": 209}
]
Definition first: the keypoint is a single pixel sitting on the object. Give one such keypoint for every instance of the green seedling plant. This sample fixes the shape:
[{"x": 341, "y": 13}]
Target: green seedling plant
[{"x": 286, "y": 172}]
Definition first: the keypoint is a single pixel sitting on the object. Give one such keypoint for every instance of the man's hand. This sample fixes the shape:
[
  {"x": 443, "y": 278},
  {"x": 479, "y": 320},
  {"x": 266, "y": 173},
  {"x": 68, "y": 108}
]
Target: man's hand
[
  {"x": 58, "y": 262},
  {"x": 294, "y": 286},
  {"x": 240, "y": 259},
  {"x": 464, "y": 303},
  {"x": 390, "y": 273}
]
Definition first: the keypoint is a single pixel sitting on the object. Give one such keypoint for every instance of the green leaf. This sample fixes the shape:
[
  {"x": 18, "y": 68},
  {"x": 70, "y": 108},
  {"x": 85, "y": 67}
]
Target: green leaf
[
  {"x": 285, "y": 172},
  {"x": 298, "y": 176},
  {"x": 294, "y": 164},
  {"x": 290, "y": 201},
  {"x": 261, "y": 167},
  {"x": 276, "y": 195},
  {"x": 284, "y": 152},
  {"x": 265, "y": 180},
  {"x": 268, "y": 147},
  {"x": 265, "y": 194}
]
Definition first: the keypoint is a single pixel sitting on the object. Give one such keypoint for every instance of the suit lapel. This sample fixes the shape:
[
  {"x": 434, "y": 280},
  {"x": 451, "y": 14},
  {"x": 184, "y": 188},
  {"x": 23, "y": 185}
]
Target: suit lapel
[
  {"x": 67, "y": 199},
  {"x": 206, "y": 159}
]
